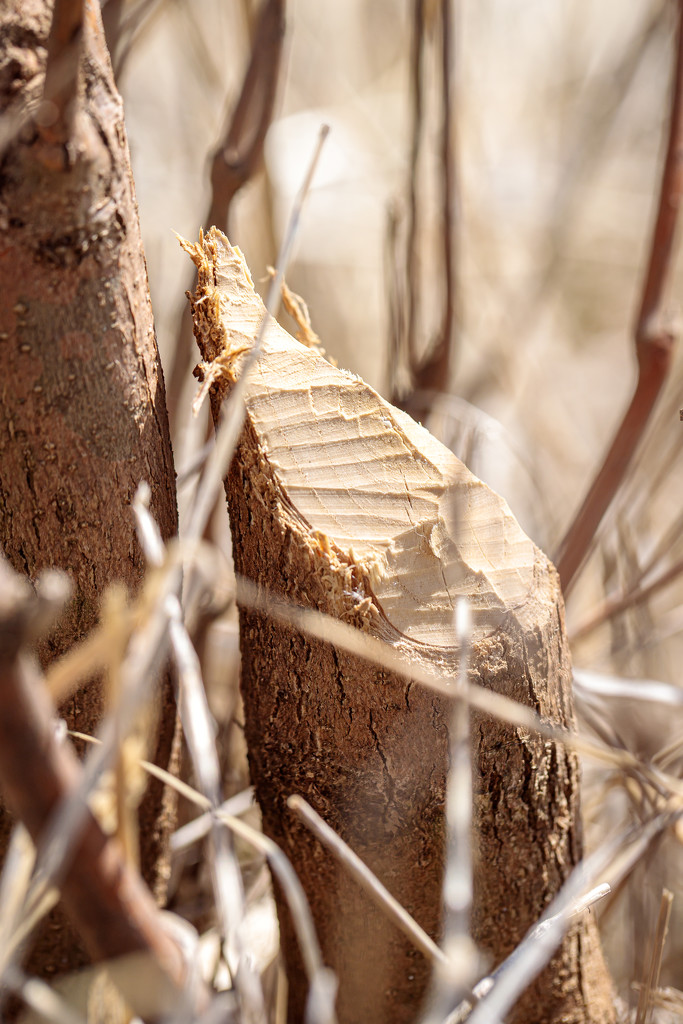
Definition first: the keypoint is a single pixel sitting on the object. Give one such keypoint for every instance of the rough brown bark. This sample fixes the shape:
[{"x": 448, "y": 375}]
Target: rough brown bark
[
  {"x": 82, "y": 410},
  {"x": 322, "y": 462}
]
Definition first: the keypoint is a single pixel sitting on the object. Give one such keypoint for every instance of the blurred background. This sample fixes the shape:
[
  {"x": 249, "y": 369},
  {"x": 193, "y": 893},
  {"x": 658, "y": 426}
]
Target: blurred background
[{"x": 558, "y": 112}]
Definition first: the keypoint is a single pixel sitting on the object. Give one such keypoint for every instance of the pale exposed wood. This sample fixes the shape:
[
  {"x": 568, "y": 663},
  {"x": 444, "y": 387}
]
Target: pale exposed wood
[
  {"x": 397, "y": 505},
  {"x": 342, "y": 502}
]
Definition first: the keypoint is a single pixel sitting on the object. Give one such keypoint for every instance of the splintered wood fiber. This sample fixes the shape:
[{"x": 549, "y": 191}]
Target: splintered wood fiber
[{"x": 341, "y": 503}]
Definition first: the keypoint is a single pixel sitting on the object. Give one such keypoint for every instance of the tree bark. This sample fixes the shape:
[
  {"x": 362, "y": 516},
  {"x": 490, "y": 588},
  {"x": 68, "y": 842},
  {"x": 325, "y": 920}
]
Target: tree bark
[
  {"x": 344, "y": 504},
  {"x": 82, "y": 407}
]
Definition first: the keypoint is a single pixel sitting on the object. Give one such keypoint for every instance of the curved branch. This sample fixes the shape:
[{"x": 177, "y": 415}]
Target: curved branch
[
  {"x": 241, "y": 148},
  {"x": 654, "y": 341}
]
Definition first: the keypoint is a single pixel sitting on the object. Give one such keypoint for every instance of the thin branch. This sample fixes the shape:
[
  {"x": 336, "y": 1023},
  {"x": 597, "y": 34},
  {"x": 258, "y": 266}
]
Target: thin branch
[
  {"x": 432, "y": 372},
  {"x": 364, "y": 645},
  {"x": 665, "y": 544},
  {"x": 113, "y": 910},
  {"x": 112, "y": 15},
  {"x": 483, "y": 987},
  {"x": 615, "y": 858},
  {"x": 397, "y": 303},
  {"x": 232, "y": 416},
  {"x": 61, "y": 71},
  {"x": 131, "y": 30},
  {"x": 197, "y": 828},
  {"x": 322, "y": 982},
  {"x": 454, "y": 982},
  {"x": 669, "y": 999},
  {"x": 199, "y": 734},
  {"x": 321, "y": 979},
  {"x": 601, "y": 105},
  {"x": 654, "y": 341},
  {"x": 240, "y": 151},
  {"x": 618, "y": 603},
  {"x": 237, "y": 156}
]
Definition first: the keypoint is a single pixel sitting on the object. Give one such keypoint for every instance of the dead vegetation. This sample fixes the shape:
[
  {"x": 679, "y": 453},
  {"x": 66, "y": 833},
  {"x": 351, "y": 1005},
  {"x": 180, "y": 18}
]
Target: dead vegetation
[{"x": 544, "y": 257}]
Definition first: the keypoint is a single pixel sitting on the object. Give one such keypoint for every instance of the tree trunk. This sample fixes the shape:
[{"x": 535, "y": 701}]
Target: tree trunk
[
  {"x": 342, "y": 503},
  {"x": 82, "y": 408}
]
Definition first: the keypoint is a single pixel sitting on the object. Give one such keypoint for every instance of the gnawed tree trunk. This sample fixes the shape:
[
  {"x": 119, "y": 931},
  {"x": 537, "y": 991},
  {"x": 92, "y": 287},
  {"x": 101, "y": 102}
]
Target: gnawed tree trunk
[
  {"x": 82, "y": 409},
  {"x": 343, "y": 503}
]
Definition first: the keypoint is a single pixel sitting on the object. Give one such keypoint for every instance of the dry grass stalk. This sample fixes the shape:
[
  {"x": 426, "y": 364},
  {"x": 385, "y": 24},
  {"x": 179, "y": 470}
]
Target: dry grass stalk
[
  {"x": 321, "y": 981},
  {"x": 231, "y": 422},
  {"x": 199, "y": 735},
  {"x": 646, "y": 999}
]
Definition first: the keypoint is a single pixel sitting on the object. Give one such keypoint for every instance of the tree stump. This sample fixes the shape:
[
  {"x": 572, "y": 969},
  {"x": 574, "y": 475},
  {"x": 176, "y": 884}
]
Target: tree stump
[{"x": 342, "y": 503}]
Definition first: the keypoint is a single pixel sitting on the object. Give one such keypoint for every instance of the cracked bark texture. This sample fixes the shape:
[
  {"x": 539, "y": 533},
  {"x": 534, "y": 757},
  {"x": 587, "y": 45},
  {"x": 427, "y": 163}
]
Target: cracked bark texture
[
  {"x": 82, "y": 408},
  {"x": 367, "y": 748}
]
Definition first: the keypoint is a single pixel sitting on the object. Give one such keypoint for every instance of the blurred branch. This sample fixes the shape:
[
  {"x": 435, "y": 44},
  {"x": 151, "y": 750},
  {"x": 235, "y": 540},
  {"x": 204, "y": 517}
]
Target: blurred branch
[
  {"x": 449, "y": 196},
  {"x": 61, "y": 71},
  {"x": 113, "y": 910},
  {"x": 128, "y": 29},
  {"x": 430, "y": 372},
  {"x": 654, "y": 340},
  {"x": 599, "y": 109},
  {"x": 417, "y": 119},
  {"x": 240, "y": 152},
  {"x": 112, "y": 22},
  {"x": 237, "y": 157},
  {"x": 618, "y": 603},
  {"x": 397, "y": 303}
]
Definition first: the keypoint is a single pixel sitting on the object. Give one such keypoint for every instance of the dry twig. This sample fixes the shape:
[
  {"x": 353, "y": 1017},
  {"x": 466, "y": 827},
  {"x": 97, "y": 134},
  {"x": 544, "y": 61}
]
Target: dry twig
[
  {"x": 321, "y": 979},
  {"x": 232, "y": 419},
  {"x": 199, "y": 734},
  {"x": 651, "y": 980},
  {"x": 429, "y": 373},
  {"x": 111, "y": 906},
  {"x": 618, "y": 603},
  {"x": 240, "y": 151}
]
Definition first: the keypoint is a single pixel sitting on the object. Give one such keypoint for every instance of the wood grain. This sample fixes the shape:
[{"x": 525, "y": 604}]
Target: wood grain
[{"x": 342, "y": 503}]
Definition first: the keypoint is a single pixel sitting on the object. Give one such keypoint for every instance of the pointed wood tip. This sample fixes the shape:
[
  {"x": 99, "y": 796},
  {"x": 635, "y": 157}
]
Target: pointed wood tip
[{"x": 369, "y": 487}]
